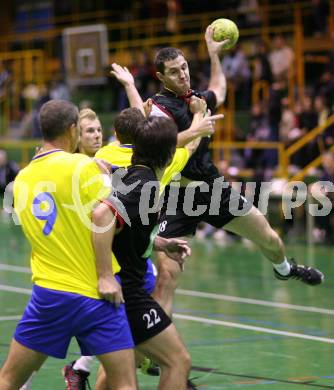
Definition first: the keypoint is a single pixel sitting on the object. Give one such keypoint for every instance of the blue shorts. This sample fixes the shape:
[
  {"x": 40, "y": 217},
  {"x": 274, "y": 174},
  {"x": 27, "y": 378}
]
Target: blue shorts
[
  {"x": 150, "y": 277},
  {"x": 53, "y": 317}
]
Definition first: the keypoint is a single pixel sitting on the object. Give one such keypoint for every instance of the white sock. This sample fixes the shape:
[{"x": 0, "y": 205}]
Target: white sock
[
  {"x": 84, "y": 363},
  {"x": 283, "y": 268}
]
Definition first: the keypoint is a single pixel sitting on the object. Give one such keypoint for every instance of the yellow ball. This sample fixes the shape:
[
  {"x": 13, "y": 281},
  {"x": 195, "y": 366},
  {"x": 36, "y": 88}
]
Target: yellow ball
[{"x": 225, "y": 29}]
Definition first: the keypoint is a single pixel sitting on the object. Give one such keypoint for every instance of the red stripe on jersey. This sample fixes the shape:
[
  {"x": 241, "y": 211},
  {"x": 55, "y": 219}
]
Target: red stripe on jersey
[
  {"x": 164, "y": 110},
  {"x": 119, "y": 219}
]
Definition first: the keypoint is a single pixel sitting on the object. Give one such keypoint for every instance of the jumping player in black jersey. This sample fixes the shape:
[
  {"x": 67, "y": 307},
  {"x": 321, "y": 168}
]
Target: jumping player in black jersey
[
  {"x": 152, "y": 330},
  {"x": 172, "y": 101}
]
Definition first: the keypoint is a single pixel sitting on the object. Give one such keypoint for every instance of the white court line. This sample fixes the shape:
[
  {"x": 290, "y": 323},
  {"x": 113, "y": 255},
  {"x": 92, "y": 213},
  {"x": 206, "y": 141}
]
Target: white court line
[
  {"x": 255, "y": 328},
  {"x": 4, "y": 287},
  {"x": 222, "y": 297},
  {"x": 15, "y": 268},
  {"x": 250, "y": 301},
  {"x": 209, "y": 321},
  {"x": 10, "y": 318}
]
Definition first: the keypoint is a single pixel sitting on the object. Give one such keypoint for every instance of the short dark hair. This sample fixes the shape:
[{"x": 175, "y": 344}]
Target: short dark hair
[
  {"x": 164, "y": 55},
  {"x": 126, "y": 123},
  {"x": 154, "y": 142},
  {"x": 56, "y": 117}
]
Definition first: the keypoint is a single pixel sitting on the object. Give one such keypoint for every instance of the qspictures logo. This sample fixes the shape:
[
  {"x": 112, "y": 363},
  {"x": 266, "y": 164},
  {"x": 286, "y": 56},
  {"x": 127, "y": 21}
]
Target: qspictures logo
[{"x": 44, "y": 201}]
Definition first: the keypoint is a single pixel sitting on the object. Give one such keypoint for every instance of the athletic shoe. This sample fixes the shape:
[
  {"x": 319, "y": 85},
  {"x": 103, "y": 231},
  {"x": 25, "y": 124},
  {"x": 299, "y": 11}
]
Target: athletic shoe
[
  {"x": 308, "y": 275},
  {"x": 148, "y": 367},
  {"x": 75, "y": 379},
  {"x": 191, "y": 385}
]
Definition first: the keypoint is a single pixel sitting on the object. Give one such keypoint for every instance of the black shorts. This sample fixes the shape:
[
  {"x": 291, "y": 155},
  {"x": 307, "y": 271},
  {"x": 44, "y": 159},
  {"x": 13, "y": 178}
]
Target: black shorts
[
  {"x": 214, "y": 202},
  {"x": 146, "y": 317}
]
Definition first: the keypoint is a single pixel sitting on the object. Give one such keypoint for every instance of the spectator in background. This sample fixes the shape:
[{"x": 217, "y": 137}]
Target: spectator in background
[
  {"x": 174, "y": 8},
  {"x": 328, "y": 166},
  {"x": 307, "y": 117},
  {"x": 8, "y": 171},
  {"x": 151, "y": 88},
  {"x": 320, "y": 14},
  {"x": 287, "y": 123},
  {"x": 4, "y": 79},
  {"x": 307, "y": 120},
  {"x": 142, "y": 69},
  {"x": 262, "y": 68},
  {"x": 274, "y": 118},
  {"x": 249, "y": 14},
  {"x": 44, "y": 96},
  {"x": 59, "y": 90},
  {"x": 325, "y": 86},
  {"x": 236, "y": 69},
  {"x": 34, "y": 96},
  {"x": 281, "y": 58},
  {"x": 325, "y": 224},
  {"x": 258, "y": 160},
  {"x": 330, "y": 66},
  {"x": 323, "y": 111},
  {"x": 259, "y": 131}
]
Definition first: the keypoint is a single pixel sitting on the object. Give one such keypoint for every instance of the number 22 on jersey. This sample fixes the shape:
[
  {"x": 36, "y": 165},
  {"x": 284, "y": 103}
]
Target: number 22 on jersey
[{"x": 152, "y": 318}]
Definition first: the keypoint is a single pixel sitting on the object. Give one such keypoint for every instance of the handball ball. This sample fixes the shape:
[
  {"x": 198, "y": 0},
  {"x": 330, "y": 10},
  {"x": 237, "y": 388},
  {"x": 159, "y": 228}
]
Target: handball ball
[{"x": 225, "y": 29}]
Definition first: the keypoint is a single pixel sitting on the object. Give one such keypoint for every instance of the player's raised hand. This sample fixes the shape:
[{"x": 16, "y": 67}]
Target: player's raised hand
[
  {"x": 122, "y": 74},
  {"x": 197, "y": 105},
  {"x": 110, "y": 290},
  {"x": 213, "y": 46},
  {"x": 147, "y": 107}
]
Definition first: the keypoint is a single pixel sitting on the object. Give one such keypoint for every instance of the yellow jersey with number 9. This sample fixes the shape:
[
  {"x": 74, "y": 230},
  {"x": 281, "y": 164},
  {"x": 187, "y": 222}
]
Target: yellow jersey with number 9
[{"x": 53, "y": 199}]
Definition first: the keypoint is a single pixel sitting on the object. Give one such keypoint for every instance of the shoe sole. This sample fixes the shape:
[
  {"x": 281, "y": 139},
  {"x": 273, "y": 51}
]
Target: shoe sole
[{"x": 282, "y": 277}]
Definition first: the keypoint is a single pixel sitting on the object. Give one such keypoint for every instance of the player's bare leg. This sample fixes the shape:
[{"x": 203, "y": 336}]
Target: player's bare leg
[
  {"x": 120, "y": 370},
  {"x": 19, "y": 365},
  {"x": 255, "y": 227},
  {"x": 101, "y": 379},
  {"x": 168, "y": 350},
  {"x": 166, "y": 282}
]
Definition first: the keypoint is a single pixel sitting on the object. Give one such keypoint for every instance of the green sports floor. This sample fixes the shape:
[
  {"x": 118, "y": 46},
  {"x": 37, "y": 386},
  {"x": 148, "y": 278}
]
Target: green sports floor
[{"x": 243, "y": 328}]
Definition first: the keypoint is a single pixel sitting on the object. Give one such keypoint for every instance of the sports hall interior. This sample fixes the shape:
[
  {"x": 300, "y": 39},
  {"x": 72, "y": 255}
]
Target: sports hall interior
[{"x": 243, "y": 328}]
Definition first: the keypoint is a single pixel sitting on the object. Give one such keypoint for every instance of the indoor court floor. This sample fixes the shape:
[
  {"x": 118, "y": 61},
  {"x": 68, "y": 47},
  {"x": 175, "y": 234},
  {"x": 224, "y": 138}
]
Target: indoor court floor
[{"x": 243, "y": 328}]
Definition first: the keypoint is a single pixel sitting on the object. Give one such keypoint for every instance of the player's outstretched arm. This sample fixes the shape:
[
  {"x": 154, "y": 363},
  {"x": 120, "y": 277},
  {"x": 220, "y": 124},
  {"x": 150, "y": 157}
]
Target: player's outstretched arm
[
  {"x": 217, "y": 82},
  {"x": 200, "y": 127},
  {"x": 104, "y": 227},
  {"x": 198, "y": 107},
  {"x": 124, "y": 76}
]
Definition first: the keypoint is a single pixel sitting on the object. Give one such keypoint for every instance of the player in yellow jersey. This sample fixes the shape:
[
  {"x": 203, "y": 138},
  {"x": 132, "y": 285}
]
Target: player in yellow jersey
[
  {"x": 74, "y": 295},
  {"x": 119, "y": 154}
]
